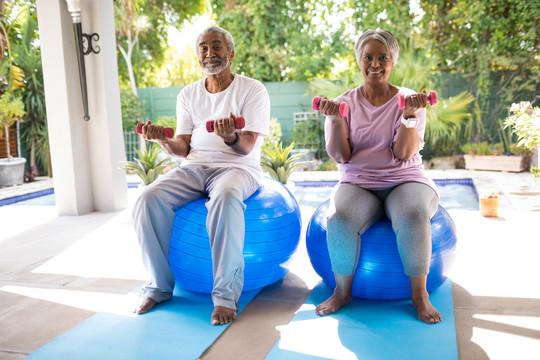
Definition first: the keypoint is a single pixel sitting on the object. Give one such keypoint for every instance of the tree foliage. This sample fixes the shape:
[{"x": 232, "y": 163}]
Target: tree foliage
[
  {"x": 391, "y": 15},
  {"x": 132, "y": 110},
  {"x": 494, "y": 43},
  {"x": 276, "y": 40},
  {"x": 147, "y": 22},
  {"x": 26, "y": 56}
]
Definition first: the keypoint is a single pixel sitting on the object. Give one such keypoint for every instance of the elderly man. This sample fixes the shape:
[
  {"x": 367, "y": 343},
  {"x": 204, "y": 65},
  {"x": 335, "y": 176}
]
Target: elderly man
[{"x": 223, "y": 166}]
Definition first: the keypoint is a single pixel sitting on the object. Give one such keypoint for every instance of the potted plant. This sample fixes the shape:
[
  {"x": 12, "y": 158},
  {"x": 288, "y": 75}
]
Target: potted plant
[
  {"x": 11, "y": 110},
  {"x": 525, "y": 123},
  {"x": 489, "y": 203},
  {"x": 148, "y": 166},
  {"x": 486, "y": 156},
  {"x": 279, "y": 163}
]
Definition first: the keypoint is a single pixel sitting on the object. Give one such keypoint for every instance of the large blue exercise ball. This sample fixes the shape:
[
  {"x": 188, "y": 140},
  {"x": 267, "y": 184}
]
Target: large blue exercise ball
[
  {"x": 379, "y": 274},
  {"x": 273, "y": 228}
]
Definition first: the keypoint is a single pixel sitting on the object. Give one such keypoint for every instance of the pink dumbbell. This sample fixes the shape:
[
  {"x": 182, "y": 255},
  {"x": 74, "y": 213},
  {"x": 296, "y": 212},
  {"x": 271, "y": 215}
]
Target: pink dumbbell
[
  {"x": 432, "y": 99},
  {"x": 239, "y": 123},
  {"x": 343, "y": 107},
  {"x": 167, "y": 132}
]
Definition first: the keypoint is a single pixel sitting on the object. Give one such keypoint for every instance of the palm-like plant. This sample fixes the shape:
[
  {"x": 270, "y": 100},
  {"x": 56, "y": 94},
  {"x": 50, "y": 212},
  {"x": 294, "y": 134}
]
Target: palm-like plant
[
  {"x": 147, "y": 167},
  {"x": 11, "y": 81},
  {"x": 445, "y": 120},
  {"x": 278, "y": 163},
  {"x": 28, "y": 57},
  {"x": 415, "y": 71}
]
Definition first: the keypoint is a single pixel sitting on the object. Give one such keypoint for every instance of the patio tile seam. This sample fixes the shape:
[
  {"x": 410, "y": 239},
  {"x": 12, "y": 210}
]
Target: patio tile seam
[
  {"x": 66, "y": 286},
  {"x": 25, "y": 267},
  {"x": 32, "y": 283},
  {"x": 13, "y": 352},
  {"x": 299, "y": 299},
  {"x": 499, "y": 311}
]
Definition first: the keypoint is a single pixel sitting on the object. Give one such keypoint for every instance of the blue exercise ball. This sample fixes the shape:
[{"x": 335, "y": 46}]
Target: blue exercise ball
[
  {"x": 379, "y": 274},
  {"x": 273, "y": 227}
]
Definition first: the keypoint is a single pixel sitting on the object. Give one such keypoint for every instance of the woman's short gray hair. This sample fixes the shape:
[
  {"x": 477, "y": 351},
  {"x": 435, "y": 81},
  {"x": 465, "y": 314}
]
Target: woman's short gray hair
[
  {"x": 216, "y": 29},
  {"x": 386, "y": 37}
]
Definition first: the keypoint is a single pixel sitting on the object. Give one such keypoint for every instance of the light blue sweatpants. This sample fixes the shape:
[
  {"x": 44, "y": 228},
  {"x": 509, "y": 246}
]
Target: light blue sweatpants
[
  {"x": 153, "y": 218},
  {"x": 352, "y": 210}
]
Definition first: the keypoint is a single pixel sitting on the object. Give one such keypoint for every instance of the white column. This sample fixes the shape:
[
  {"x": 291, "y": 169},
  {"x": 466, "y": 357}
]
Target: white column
[
  {"x": 85, "y": 155},
  {"x": 105, "y": 136}
]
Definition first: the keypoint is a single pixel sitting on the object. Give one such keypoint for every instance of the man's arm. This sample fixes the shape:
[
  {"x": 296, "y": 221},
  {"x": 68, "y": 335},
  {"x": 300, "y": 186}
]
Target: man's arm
[
  {"x": 241, "y": 142},
  {"x": 179, "y": 146}
]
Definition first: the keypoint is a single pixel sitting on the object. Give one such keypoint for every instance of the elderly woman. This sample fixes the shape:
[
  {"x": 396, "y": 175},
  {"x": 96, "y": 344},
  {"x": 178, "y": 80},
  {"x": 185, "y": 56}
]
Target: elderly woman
[{"x": 377, "y": 148}]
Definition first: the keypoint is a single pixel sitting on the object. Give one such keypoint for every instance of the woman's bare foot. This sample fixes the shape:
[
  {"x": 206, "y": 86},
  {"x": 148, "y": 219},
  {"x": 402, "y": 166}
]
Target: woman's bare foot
[
  {"x": 341, "y": 297},
  {"x": 420, "y": 299},
  {"x": 332, "y": 304},
  {"x": 222, "y": 315},
  {"x": 145, "y": 306},
  {"x": 426, "y": 312}
]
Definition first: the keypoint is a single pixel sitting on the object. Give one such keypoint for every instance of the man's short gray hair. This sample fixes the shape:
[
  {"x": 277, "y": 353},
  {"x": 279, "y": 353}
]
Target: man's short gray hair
[
  {"x": 216, "y": 29},
  {"x": 384, "y": 36}
]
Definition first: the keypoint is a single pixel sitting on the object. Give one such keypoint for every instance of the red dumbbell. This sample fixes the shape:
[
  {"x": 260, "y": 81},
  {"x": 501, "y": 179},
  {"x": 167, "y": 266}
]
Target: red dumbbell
[
  {"x": 167, "y": 132},
  {"x": 432, "y": 99},
  {"x": 239, "y": 123},
  {"x": 343, "y": 107}
]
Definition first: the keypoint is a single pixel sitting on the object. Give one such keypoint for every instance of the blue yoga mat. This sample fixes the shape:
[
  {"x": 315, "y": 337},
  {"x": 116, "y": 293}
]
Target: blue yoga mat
[
  {"x": 177, "y": 329},
  {"x": 368, "y": 329}
]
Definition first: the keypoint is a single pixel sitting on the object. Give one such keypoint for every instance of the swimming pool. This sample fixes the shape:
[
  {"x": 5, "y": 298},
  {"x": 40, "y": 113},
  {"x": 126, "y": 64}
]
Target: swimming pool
[{"x": 455, "y": 194}]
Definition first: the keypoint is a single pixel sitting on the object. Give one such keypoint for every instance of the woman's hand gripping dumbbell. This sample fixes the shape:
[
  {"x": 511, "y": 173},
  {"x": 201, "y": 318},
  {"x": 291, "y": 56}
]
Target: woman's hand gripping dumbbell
[
  {"x": 341, "y": 109},
  {"x": 431, "y": 99},
  {"x": 166, "y": 131}
]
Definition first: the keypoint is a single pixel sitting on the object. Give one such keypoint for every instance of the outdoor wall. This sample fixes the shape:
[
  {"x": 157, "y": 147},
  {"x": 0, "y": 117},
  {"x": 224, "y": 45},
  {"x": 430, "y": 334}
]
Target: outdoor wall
[
  {"x": 289, "y": 97},
  {"x": 285, "y": 99}
]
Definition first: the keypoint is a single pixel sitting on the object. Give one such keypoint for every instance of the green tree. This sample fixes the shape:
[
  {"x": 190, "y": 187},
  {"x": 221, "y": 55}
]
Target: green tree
[
  {"x": 391, "y": 15},
  {"x": 141, "y": 34},
  {"x": 415, "y": 71},
  {"x": 132, "y": 110},
  {"x": 11, "y": 77},
  {"x": 27, "y": 56},
  {"x": 280, "y": 40},
  {"x": 495, "y": 43}
]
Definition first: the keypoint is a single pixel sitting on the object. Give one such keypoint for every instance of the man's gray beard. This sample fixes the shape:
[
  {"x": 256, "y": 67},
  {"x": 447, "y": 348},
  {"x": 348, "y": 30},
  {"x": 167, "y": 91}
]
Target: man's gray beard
[{"x": 215, "y": 69}]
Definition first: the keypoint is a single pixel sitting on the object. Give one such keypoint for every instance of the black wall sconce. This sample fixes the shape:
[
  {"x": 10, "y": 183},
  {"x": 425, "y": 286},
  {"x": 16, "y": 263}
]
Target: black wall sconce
[{"x": 74, "y": 8}]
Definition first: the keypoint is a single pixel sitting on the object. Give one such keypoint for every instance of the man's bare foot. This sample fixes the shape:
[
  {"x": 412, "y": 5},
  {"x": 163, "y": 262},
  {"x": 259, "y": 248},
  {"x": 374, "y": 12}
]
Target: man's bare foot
[
  {"x": 146, "y": 305},
  {"x": 222, "y": 315},
  {"x": 332, "y": 304},
  {"x": 426, "y": 312}
]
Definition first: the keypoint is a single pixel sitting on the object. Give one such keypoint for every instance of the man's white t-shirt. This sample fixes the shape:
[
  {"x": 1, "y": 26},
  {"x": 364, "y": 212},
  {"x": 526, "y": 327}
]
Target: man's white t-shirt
[{"x": 195, "y": 106}]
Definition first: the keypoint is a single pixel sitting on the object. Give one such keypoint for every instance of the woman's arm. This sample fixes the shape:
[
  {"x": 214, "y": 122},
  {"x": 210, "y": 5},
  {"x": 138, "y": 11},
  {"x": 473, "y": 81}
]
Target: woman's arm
[
  {"x": 337, "y": 144},
  {"x": 407, "y": 143}
]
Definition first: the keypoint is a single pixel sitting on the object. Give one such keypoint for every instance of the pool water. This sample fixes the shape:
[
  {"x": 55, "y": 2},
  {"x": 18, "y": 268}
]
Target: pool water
[
  {"x": 458, "y": 196},
  {"x": 454, "y": 194}
]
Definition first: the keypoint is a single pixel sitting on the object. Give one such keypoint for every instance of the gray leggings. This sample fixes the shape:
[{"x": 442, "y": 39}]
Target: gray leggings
[{"x": 352, "y": 210}]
